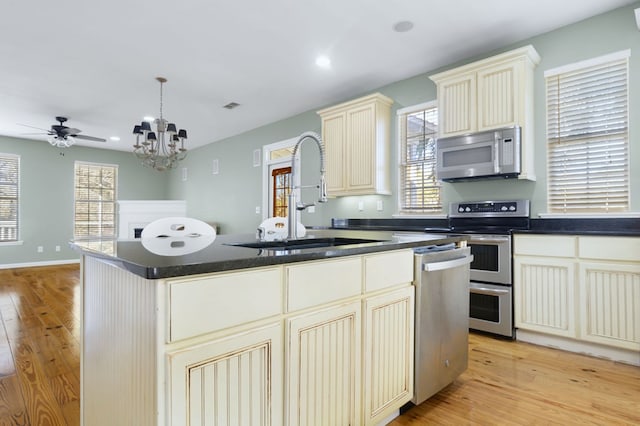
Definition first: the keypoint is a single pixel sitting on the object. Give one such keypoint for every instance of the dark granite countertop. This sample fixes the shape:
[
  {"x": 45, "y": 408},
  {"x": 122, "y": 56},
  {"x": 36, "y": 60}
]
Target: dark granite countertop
[{"x": 218, "y": 256}]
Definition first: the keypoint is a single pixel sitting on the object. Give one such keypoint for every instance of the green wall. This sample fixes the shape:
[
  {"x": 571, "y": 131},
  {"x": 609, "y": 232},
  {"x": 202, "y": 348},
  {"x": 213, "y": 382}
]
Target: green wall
[
  {"x": 231, "y": 196},
  {"x": 46, "y": 195}
]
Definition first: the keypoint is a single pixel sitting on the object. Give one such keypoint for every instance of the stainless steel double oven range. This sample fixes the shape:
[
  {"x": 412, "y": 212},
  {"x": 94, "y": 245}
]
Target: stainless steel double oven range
[{"x": 489, "y": 225}]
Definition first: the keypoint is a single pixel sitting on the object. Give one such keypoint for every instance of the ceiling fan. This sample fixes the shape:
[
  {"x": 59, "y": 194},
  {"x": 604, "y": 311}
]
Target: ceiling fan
[{"x": 62, "y": 136}]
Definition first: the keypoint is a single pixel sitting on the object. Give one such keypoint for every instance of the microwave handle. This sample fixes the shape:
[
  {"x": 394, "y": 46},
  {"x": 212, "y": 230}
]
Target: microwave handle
[{"x": 496, "y": 157}]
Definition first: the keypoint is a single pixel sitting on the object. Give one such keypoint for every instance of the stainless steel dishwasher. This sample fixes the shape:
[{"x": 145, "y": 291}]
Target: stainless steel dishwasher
[{"x": 442, "y": 317}]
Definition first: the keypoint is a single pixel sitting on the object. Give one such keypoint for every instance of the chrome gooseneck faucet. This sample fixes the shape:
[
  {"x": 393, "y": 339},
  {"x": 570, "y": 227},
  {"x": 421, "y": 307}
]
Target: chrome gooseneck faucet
[{"x": 295, "y": 205}]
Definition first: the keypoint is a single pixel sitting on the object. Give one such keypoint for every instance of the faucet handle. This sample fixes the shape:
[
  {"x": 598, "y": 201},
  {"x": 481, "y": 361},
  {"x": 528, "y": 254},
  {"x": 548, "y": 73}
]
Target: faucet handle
[
  {"x": 323, "y": 189},
  {"x": 302, "y": 206}
]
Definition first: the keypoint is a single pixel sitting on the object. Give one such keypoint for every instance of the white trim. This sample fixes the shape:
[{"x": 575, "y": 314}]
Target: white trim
[
  {"x": 35, "y": 264},
  {"x": 623, "y": 54},
  {"x": 418, "y": 107},
  {"x": 91, "y": 163},
  {"x": 419, "y": 216},
  {"x": 11, "y": 243},
  {"x": 576, "y": 346},
  {"x": 619, "y": 215},
  {"x": 266, "y": 162}
]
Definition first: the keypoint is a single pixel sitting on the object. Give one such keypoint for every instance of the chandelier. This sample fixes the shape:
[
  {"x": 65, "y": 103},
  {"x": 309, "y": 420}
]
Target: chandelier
[{"x": 163, "y": 148}]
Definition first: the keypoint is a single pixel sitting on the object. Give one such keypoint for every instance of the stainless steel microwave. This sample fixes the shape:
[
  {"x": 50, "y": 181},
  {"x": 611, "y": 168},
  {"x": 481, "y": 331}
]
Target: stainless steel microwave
[{"x": 488, "y": 154}]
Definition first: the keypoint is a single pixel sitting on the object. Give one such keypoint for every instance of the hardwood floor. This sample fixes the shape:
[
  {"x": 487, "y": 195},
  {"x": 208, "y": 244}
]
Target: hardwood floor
[{"x": 507, "y": 383}]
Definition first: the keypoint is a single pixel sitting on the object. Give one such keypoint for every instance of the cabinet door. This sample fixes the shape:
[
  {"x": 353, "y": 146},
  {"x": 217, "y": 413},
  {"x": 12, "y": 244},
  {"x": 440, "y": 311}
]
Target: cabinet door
[
  {"x": 457, "y": 105},
  {"x": 609, "y": 299},
  {"x": 543, "y": 291},
  {"x": 323, "y": 355},
  {"x": 361, "y": 150},
  {"x": 235, "y": 380},
  {"x": 333, "y": 136},
  {"x": 388, "y": 353},
  {"x": 499, "y": 96}
]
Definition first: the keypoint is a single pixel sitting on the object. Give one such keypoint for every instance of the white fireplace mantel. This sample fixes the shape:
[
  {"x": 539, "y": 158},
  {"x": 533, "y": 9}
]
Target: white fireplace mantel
[{"x": 136, "y": 214}]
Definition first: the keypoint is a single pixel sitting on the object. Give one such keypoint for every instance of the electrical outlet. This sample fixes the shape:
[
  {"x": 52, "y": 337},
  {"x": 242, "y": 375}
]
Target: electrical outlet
[
  {"x": 184, "y": 174},
  {"x": 360, "y": 205},
  {"x": 257, "y": 209},
  {"x": 57, "y": 248},
  {"x": 40, "y": 249},
  {"x": 311, "y": 209},
  {"x": 215, "y": 167},
  {"x": 380, "y": 205}
]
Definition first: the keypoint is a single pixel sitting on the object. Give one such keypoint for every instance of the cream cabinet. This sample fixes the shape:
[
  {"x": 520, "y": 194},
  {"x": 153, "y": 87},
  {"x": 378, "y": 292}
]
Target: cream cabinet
[
  {"x": 356, "y": 139},
  {"x": 583, "y": 287},
  {"x": 232, "y": 380},
  {"x": 489, "y": 94},
  {"x": 323, "y": 357},
  {"x": 388, "y": 353},
  {"x": 316, "y": 342}
]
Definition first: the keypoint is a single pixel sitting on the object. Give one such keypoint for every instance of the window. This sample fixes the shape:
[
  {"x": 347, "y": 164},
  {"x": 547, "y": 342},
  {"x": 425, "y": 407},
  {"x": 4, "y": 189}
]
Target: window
[
  {"x": 281, "y": 186},
  {"x": 95, "y": 200},
  {"x": 418, "y": 188},
  {"x": 9, "y": 193},
  {"x": 587, "y": 136}
]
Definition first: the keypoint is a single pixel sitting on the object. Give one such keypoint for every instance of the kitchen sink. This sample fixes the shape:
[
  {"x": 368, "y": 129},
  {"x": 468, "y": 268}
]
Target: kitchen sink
[{"x": 304, "y": 243}]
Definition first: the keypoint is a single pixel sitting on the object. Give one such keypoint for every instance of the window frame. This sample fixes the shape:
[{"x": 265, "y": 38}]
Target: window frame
[
  {"x": 16, "y": 240},
  {"x": 401, "y": 120},
  {"x": 555, "y": 141},
  {"x": 114, "y": 201}
]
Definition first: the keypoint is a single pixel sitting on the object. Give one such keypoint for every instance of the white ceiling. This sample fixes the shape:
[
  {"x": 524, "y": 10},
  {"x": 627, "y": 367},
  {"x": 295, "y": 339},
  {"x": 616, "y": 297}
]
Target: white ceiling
[{"x": 96, "y": 62}]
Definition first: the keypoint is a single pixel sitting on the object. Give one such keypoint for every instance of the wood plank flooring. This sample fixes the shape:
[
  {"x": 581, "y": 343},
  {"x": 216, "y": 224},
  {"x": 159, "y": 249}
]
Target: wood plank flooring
[{"x": 507, "y": 383}]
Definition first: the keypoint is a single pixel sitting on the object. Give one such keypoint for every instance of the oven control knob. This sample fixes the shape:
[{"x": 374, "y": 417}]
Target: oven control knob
[
  {"x": 512, "y": 208},
  {"x": 503, "y": 208},
  {"x": 468, "y": 209},
  {"x": 460, "y": 209}
]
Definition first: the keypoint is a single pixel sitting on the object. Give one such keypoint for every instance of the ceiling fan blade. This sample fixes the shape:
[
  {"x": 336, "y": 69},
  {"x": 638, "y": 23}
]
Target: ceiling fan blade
[
  {"x": 89, "y": 138},
  {"x": 33, "y": 127},
  {"x": 32, "y": 134},
  {"x": 69, "y": 131}
]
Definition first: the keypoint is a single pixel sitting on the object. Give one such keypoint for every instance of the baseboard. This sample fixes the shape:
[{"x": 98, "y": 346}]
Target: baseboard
[
  {"x": 591, "y": 349},
  {"x": 35, "y": 264}
]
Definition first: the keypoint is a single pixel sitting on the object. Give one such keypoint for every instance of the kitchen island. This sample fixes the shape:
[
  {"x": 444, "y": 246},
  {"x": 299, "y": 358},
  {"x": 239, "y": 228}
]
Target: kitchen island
[{"x": 238, "y": 335}]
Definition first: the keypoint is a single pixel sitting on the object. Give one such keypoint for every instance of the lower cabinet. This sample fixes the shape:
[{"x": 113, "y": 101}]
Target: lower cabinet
[
  {"x": 583, "y": 287},
  {"x": 336, "y": 346},
  {"x": 236, "y": 380},
  {"x": 388, "y": 353},
  {"x": 323, "y": 357}
]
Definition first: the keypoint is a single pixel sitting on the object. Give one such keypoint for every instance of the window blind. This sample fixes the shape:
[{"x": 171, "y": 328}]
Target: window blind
[
  {"x": 587, "y": 136},
  {"x": 419, "y": 190},
  {"x": 95, "y": 200},
  {"x": 9, "y": 193}
]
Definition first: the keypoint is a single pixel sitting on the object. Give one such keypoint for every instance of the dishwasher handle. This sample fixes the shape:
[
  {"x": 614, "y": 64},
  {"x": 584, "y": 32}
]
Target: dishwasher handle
[{"x": 447, "y": 264}]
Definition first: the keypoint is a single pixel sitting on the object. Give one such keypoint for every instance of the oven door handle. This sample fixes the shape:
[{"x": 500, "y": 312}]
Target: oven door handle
[
  {"x": 447, "y": 264},
  {"x": 497, "y": 240},
  {"x": 488, "y": 291}
]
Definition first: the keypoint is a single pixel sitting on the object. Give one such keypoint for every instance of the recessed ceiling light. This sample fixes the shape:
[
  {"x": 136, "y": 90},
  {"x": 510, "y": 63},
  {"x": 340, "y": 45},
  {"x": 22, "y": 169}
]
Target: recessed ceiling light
[
  {"x": 402, "y": 26},
  {"x": 148, "y": 118},
  {"x": 114, "y": 138},
  {"x": 323, "y": 61}
]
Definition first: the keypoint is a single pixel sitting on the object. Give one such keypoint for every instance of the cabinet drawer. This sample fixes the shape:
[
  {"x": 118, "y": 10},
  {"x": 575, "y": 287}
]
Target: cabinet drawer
[
  {"x": 203, "y": 305},
  {"x": 316, "y": 283},
  {"x": 609, "y": 248},
  {"x": 545, "y": 245},
  {"x": 387, "y": 269}
]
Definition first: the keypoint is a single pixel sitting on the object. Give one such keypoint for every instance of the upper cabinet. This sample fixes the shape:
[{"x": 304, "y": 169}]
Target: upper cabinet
[
  {"x": 490, "y": 94},
  {"x": 356, "y": 139}
]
